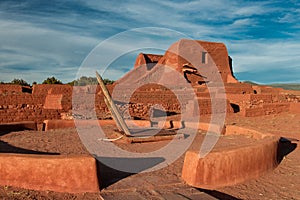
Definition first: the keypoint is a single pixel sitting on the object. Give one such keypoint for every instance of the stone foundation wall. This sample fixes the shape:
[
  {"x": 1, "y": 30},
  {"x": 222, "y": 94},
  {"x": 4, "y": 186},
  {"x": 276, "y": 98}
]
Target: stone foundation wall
[
  {"x": 266, "y": 101},
  {"x": 54, "y": 101},
  {"x": 17, "y": 105},
  {"x": 266, "y": 109}
]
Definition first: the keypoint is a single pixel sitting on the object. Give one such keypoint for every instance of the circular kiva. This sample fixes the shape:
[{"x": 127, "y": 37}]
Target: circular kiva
[
  {"x": 74, "y": 174},
  {"x": 232, "y": 165}
]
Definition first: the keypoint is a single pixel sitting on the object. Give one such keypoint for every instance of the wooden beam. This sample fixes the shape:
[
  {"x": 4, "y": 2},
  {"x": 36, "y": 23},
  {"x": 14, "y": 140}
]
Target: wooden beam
[
  {"x": 113, "y": 115},
  {"x": 113, "y": 109}
]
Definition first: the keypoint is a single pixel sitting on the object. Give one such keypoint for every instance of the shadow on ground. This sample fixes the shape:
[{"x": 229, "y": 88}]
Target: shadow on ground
[
  {"x": 285, "y": 146},
  {"x": 7, "y": 128},
  {"x": 7, "y": 148},
  {"x": 109, "y": 175},
  {"x": 219, "y": 195}
]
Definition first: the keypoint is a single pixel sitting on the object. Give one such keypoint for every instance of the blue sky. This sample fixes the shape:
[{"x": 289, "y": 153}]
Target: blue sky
[{"x": 39, "y": 39}]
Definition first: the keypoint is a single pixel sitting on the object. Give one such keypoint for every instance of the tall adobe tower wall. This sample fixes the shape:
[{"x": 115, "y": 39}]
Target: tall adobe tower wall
[{"x": 201, "y": 54}]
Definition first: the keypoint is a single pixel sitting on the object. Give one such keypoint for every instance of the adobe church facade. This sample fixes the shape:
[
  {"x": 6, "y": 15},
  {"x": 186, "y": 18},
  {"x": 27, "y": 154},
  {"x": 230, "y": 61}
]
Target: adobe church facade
[{"x": 208, "y": 57}]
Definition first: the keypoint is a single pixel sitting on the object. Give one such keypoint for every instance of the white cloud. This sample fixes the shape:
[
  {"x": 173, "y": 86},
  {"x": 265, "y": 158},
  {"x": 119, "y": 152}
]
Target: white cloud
[
  {"x": 191, "y": 17},
  {"x": 251, "y": 10},
  {"x": 291, "y": 16},
  {"x": 24, "y": 44},
  {"x": 263, "y": 55},
  {"x": 243, "y": 22}
]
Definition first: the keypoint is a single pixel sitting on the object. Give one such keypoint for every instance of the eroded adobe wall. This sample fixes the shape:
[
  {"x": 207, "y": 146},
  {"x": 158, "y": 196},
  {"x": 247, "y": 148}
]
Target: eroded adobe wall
[
  {"x": 261, "y": 101},
  {"x": 16, "y": 106},
  {"x": 87, "y": 102},
  {"x": 53, "y": 96},
  {"x": 56, "y": 102},
  {"x": 175, "y": 101},
  {"x": 147, "y": 59},
  {"x": 238, "y": 88},
  {"x": 266, "y": 89},
  {"x": 9, "y": 89},
  {"x": 266, "y": 109}
]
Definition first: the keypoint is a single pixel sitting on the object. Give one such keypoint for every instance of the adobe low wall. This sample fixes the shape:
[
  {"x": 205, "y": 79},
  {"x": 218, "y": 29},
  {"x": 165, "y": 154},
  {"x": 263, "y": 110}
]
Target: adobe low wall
[
  {"x": 60, "y": 124},
  {"x": 231, "y": 166},
  {"x": 255, "y": 99},
  {"x": 266, "y": 109},
  {"x": 238, "y": 88},
  {"x": 57, "y": 124},
  {"x": 9, "y": 88},
  {"x": 267, "y": 89},
  {"x": 72, "y": 174}
]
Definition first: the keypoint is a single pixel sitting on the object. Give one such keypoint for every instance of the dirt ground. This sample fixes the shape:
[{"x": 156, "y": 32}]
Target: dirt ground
[{"x": 166, "y": 183}]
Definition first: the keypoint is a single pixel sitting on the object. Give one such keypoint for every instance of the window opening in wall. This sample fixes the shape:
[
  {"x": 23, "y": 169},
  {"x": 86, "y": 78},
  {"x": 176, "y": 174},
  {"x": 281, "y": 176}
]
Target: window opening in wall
[
  {"x": 204, "y": 57},
  {"x": 235, "y": 107}
]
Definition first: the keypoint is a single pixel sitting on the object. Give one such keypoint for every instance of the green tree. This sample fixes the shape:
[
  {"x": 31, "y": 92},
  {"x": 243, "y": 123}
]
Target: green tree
[
  {"x": 72, "y": 83},
  {"x": 19, "y": 82},
  {"x": 52, "y": 80},
  {"x": 108, "y": 81},
  {"x": 83, "y": 81}
]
